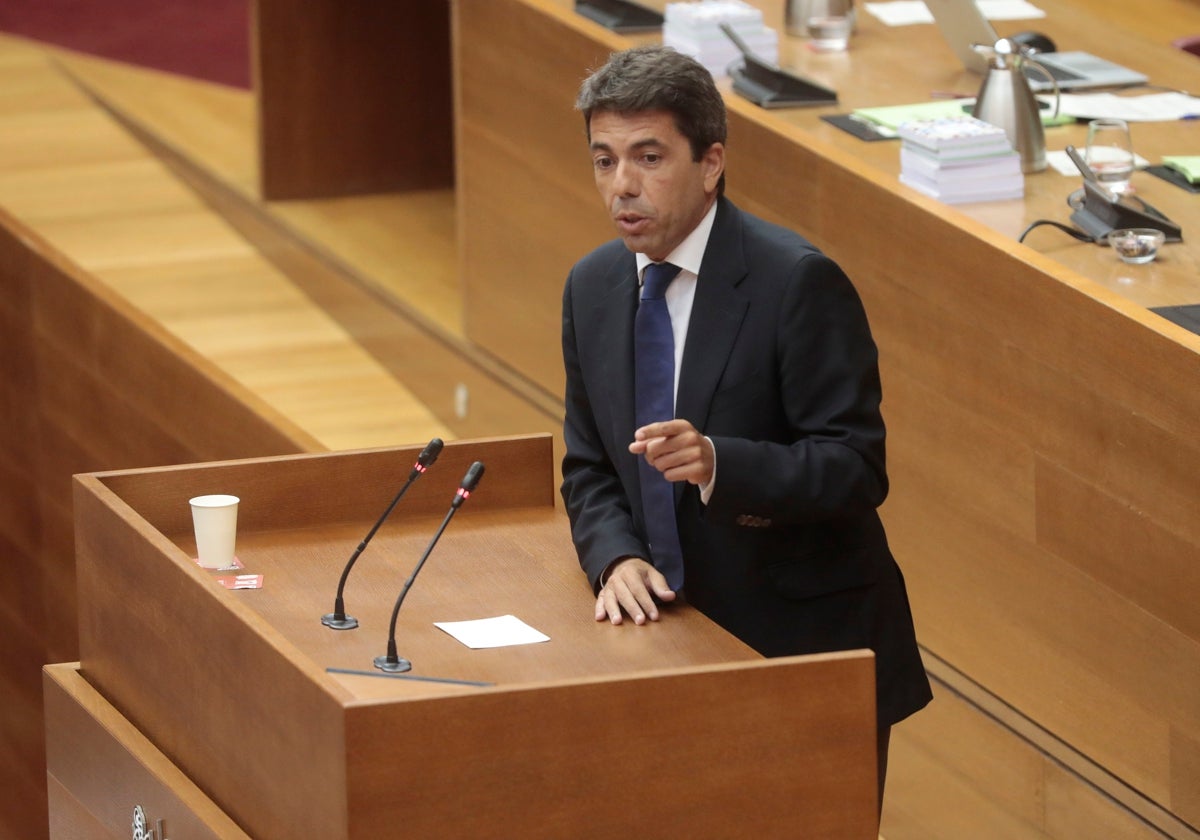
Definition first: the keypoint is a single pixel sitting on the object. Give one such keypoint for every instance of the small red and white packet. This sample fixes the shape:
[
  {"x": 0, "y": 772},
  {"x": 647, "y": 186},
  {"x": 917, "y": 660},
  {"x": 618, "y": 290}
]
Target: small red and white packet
[{"x": 241, "y": 581}]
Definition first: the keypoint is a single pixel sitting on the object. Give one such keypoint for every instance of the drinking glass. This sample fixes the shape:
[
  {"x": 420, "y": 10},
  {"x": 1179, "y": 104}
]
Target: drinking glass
[
  {"x": 1110, "y": 153},
  {"x": 827, "y": 23}
]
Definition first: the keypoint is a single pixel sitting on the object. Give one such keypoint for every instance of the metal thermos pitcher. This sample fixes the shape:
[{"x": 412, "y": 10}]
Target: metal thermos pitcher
[{"x": 1006, "y": 100}]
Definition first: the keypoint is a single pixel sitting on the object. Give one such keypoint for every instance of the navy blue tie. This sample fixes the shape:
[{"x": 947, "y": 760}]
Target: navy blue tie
[{"x": 654, "y": 400}]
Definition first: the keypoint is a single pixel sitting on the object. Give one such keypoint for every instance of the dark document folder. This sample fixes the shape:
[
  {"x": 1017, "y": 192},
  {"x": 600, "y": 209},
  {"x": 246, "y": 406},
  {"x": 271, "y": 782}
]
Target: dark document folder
[{"x": 620, "y": 15}]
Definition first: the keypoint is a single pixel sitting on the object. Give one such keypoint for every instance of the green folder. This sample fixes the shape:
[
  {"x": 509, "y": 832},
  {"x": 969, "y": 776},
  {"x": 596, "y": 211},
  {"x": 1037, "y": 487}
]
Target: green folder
[
  {"x": 1187, "y": 165},
  {"x": 890, "y": 116}
]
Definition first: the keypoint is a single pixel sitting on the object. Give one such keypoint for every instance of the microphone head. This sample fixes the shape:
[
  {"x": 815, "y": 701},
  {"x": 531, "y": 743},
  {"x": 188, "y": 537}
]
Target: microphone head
[
  {"x": 430, "y": 453},
  {"x": 474, "y": 473}
]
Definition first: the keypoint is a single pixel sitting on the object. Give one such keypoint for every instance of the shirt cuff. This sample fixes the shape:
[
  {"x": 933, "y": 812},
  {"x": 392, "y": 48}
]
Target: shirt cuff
[{"x": 706, "y": 490}]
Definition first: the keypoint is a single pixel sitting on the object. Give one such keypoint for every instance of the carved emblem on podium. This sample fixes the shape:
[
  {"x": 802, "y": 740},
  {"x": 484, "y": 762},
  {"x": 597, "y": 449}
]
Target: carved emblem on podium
[{"x": 142, "y": 831}]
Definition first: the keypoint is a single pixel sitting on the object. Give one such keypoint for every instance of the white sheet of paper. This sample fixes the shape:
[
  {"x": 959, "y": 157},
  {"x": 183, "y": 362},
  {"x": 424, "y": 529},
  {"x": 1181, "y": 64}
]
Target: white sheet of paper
[
  {"x": 905, "y": 12},
  {"x": 500, "y": 631},
  {"x": 1148, "y": 107},
  {"x": 900, "y": 12}
]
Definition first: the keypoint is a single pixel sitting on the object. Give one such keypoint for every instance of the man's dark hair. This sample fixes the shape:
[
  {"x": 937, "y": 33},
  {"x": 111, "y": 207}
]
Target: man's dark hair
[{"x": 657, "y": 78}]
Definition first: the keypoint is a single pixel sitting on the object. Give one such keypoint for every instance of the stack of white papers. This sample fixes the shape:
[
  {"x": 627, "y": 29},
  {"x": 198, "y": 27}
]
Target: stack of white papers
[
  {"x": 694, "y": 29},
  {"x": 959, "y": 159}
]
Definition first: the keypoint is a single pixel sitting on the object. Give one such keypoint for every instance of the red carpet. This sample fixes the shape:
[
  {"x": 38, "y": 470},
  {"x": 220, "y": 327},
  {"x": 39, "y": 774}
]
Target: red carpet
[{"x": 204, "y": 39}]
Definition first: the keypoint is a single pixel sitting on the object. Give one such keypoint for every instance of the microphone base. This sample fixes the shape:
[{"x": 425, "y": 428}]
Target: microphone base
[
  {"x": 393, "y": 665},
  {"x": 339, "y": 622}
]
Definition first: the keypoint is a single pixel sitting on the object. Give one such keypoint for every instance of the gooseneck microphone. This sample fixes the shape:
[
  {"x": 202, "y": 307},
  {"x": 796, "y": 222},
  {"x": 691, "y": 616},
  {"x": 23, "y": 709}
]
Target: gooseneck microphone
[
  {"x": 391, "y": 662},
  {"x": 338, "y": 619}
]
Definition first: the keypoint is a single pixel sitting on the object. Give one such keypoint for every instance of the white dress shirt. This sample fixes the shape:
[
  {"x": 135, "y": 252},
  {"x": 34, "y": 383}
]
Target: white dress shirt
[{"x": 680, "y": 294}]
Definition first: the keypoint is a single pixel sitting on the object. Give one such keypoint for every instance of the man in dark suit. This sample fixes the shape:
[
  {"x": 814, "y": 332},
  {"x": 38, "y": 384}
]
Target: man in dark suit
[{"x": 775, "y": 448}]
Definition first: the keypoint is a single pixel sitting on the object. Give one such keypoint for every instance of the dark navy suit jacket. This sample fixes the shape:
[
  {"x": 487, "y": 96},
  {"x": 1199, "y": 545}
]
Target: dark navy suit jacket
[{"x": 780, "y": 371}]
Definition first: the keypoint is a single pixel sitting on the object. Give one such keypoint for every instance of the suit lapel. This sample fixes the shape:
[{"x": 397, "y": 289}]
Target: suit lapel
[
  {"x": 614, "y": 313},
  {"x": 717, "y": 313}
]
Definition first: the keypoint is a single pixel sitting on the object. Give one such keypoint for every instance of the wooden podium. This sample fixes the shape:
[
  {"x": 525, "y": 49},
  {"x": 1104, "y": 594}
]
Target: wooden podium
[{"x": 241, "y": 709}]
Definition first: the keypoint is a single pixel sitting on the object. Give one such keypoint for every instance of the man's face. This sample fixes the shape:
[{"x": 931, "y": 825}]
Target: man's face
[{"x": 654, "y": 191}]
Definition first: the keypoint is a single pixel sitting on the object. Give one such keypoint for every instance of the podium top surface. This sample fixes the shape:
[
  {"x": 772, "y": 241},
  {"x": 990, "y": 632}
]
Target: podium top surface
[{"x": 505, "y": 551}]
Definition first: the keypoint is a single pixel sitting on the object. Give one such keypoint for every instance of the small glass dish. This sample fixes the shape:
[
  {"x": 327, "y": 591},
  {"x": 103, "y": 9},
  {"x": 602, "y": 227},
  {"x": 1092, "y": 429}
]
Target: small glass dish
[{"x": 1136, "y": 245}]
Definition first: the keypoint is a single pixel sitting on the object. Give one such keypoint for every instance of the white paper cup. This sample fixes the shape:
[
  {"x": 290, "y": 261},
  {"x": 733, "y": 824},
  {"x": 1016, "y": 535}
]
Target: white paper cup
[{"x": 215, "y": 520}]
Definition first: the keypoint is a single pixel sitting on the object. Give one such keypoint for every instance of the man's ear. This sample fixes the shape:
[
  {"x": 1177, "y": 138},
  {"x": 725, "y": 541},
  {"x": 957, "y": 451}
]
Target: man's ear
[{"x": 712, "y": 164}]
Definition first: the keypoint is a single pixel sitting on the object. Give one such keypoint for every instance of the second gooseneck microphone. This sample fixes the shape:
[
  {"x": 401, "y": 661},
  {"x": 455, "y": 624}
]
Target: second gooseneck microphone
[
  {"x": 338, "y": 619},
  {"x": 391, "y": 662}
]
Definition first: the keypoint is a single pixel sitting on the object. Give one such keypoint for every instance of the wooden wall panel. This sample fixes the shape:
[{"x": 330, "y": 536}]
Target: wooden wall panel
[
  {"x": 353, "y": 97},
  {"x": 59, "y": 599},
  {"x": 923, "y": 396},
  {"x": 22, "y": 786},
  {"x": 1071, "y": 651},
  {"x": 521, "y": 144},
  {"x": 986, "y": 782},
  {"x": 1109, "y": 540},
  {"x": 937, "y": 762},
  {"x": 95, "y": 386},
  {"x": 19, "y": 513},
  {"x": 1185, "y": 769},
  {"x": 1074, "y": 810},
  {"x": 22, "y": 617}
]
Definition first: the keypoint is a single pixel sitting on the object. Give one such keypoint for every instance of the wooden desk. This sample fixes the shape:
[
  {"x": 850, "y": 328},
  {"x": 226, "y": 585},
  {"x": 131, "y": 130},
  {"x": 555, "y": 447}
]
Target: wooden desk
[
  {"x": 520, "y": 321},
  {"x": 899, "y": 65},
  {"x": 1042, "y": 421}
]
